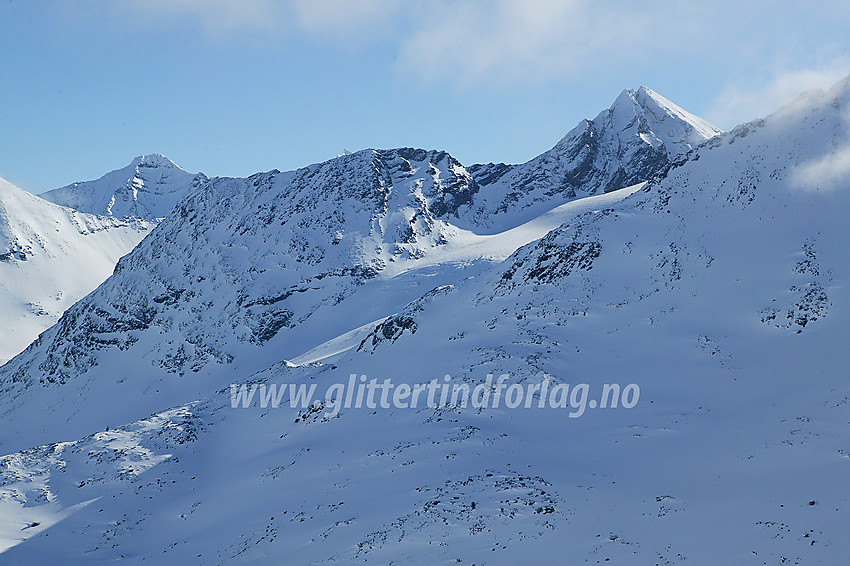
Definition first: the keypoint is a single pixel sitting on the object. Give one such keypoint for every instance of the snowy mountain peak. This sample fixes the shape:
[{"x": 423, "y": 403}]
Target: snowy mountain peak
[
  {"x": 154, "y": 160},
  {"x": 637, "y": 137},
  {"x": 149, "y": 187},
  {"x": 696, "y": 129},
  {"x": 677, "y": 128},
  {"x": 626, "y": 99}
]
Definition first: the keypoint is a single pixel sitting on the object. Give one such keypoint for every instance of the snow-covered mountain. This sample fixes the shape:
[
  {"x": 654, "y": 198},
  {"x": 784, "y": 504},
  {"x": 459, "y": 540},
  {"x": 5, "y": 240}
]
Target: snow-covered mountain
[
  {"x": 245, "y": 272},
  {"x": 640, "y": 135},
  {"x": 51, "y": 256},
  {"x": 719, "y": 287},
  {"x": 149, "y": 187}
]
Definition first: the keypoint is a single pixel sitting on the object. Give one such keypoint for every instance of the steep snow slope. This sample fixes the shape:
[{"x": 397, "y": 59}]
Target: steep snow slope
[
  {"x": 50, "y": 257},
  {"x": 640, "y": 135},
  {"x": 719, "y": 288},
  {"x": 149, "y": 187}
]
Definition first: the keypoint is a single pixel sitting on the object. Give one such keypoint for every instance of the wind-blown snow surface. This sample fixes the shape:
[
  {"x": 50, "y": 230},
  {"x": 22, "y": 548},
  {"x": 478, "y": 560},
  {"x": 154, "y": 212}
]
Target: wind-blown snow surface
[
  {"x": 50, "y": 257},
  {"x": 719, "y": 288},
  {"x": 149, "y": 187}
]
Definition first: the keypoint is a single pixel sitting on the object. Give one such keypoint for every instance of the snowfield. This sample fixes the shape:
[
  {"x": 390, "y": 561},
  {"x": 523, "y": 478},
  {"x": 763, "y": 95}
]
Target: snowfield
[{"x": 710, "y": 269}]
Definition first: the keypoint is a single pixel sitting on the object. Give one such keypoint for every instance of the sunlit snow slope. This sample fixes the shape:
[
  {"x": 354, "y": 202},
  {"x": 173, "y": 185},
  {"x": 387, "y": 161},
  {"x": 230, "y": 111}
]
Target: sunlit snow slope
[{"x": 50, "y": 257}]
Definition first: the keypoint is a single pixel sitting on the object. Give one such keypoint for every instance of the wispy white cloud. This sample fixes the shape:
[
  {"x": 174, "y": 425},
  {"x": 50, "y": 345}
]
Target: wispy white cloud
[
  {"x": 492, "y": 43},
  {"x": 345, "y": 18},
  {"x": 505, "y": 41},
  {"x": 827, "y": 172},
  {"x": 737, "y": 103},
  {"x": 229, "y": 18},
  {"x": 215, "y": 16}
]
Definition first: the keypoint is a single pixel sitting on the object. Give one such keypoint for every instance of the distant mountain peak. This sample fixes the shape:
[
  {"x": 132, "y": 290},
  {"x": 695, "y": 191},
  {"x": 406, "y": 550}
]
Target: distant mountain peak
[
  {"x": 148, "y": 187},
  {"x": 651, "y": 101},
  {"x": 625, "y": 98},
  {"x": 680, "y": 130},
  {"x": 636, "y": 137},
  {"x": 154, "y": 160}
]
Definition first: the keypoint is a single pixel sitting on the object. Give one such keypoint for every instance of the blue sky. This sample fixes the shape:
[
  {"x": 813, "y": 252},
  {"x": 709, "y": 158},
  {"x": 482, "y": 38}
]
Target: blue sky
[{"x": 234, "y": 87}]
